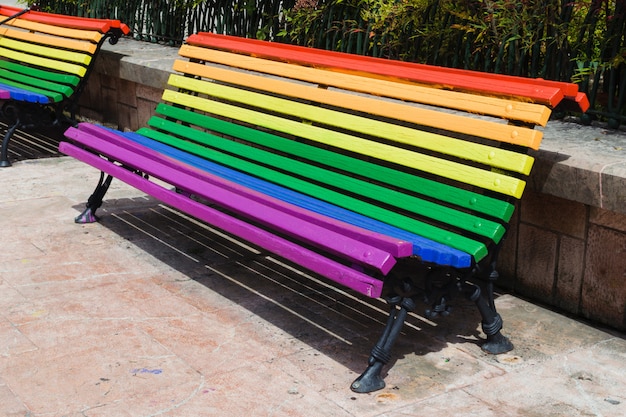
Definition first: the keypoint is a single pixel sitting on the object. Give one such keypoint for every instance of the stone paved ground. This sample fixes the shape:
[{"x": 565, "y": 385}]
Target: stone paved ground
[{"x": 149, "y": 313}]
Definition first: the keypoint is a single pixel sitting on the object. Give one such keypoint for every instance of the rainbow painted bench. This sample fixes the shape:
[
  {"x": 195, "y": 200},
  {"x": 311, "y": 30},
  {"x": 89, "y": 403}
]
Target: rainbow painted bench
[
  {"x": 45, "y": 61},
  {"x": 361, "y": 170}
]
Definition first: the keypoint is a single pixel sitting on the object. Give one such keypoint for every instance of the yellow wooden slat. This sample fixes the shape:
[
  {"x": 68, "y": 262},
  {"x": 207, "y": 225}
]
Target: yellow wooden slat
[
  {"x": 88, "y": 35},
  {"x": 55, "y": 41},
  {"x": 46, "y": 52},
  {"x": 44, "y": 62},
  {"x": 494, "y": 181},
  {"x": 459, "y": 148},
  {"x": 394, "y": 110},
  {"x": 503, "y": 108}
]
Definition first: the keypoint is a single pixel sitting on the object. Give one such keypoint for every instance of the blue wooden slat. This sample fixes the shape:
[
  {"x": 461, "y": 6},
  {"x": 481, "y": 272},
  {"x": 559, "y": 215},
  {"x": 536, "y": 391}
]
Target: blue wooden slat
[
  {"x": 427, "y": 250},
  {"x": 20, "y": 94}
]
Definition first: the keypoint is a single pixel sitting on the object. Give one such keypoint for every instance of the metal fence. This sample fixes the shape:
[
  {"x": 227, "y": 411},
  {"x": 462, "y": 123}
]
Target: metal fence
[{"x": 582, "y": 41}]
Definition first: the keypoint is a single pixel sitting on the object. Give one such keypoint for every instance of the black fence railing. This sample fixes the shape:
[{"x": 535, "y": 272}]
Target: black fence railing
[{"x": 569, "y": 40}]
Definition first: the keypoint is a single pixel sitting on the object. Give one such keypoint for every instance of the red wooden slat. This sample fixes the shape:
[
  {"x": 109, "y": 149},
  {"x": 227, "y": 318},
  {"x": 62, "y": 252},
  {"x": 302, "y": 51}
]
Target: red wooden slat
[
  {"x": 74, "y": 22},
  {"x": 538, "y": 90}
]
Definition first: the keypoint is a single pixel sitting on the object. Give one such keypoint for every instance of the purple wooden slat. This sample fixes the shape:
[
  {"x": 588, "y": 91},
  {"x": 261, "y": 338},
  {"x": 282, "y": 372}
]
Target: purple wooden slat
[
  {"x": 278, "y": 220},
  {"x": 4, "y": 94},
  {"x": 397, "y": 248},
  {"x": 315, "y": 262}
]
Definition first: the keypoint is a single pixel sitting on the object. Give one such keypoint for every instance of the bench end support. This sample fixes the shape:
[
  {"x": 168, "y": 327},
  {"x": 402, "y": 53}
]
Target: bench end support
[
  {"x": 95, "y": 201},
  {"x": 371, "y": 380}
]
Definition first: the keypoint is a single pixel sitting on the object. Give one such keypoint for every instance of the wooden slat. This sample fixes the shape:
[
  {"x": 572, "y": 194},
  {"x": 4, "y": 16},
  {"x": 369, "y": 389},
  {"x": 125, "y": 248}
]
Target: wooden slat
[
  {"x": 60, "y": 42},
  {"x": 48, "y": 88},
  {"x": 56, "y": 77},
  {"x": 47, "y": 51},
  {"x": 278, "y": 220},
  {"x": 503, "y": 108},
  {"x": 288, "y": 250},
  {"x": 462, "y": 198},
  {"x": 43, "y": 62},
  {"x": 548, "y": 94},
  {"x": 354, "y": 186},
  {"x": 461, "y": 124},
  {"x": 483, "y": 154},
  {"x": 28, "y": 93},
  {"x": 476, "y": 249},
  {"x": 231, "y": 179},
  {"x": 100, "y": 25},
  {"x": 87, "y": 35}
]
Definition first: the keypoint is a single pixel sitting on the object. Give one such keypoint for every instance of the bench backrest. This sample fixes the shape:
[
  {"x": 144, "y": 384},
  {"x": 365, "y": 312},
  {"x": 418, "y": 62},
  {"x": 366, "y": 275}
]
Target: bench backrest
[
  {"x": 45, "y": 57},
  {"x": 431, "y": 163}
]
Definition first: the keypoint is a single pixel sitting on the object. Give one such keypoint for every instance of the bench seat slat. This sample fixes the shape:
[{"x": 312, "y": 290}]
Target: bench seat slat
[
  {"x": 55, "y": 77},
  {"x": 44, "y": 62},
  {"x": 443, "y": 214},
  {"x": 450, "y": 194},
  {"x": 41, "y": 85},
  {"x": 22, "y": 94},
  {"x": 276, "y": 219},
  {"x": 473, "y": 247},
  {"x": 489, "y": 180},
  {"x": 483, "y": 154},
  {"x": 54, "y": 92},
  {"x": 491, "y": 106},
  {"x": 428, "y": 250},
  {"x": 340, "y": 273},
  {"x": 150, "y": 148}
]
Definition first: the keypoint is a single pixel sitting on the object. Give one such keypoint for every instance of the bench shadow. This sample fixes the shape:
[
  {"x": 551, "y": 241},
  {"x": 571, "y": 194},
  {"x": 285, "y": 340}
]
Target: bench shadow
[
  {"x": 544, "y": 164},
  {"x": 337, "y": 322},
  {"x": 33, "y": 143}
]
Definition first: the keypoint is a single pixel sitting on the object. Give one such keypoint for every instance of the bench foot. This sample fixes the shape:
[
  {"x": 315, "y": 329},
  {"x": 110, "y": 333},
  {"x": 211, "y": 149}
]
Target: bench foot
[
  {"x": 4, "y": 155},
  {"x": 95, "y": 201},
  {"x": 87, "y": 216},
  {"x": 371, "y": 380},
  {"x": 497, "y": 344}
]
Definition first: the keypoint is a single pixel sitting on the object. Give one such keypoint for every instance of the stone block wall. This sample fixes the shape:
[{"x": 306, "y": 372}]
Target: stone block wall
[
  {"x": 568, "y": 255},
  {"x": 559, "y": 252}
]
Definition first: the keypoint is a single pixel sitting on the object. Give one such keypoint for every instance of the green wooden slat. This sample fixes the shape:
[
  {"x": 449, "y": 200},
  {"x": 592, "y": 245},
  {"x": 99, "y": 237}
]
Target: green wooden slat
[
  {"x": 475, "y": 248},
  {"x": 384, "y": 195},
  {"x": 53, "y": 96},
  {"x": 483, "y": 154},
  {"x": 493, "y": 207},
  {"x": 38, "y": 83},
  {"x": 457, "y": 171},
  {"x": 42, "y": 74}
]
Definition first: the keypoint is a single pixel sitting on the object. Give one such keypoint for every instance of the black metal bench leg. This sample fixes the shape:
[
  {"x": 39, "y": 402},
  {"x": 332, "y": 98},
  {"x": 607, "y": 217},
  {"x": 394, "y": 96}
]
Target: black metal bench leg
[
  {"x": 4, "y": 157},
  {"x": 491, "y": 321},
  {"x": 371, "y": 380},
  {"x": 95, "y": 201}
]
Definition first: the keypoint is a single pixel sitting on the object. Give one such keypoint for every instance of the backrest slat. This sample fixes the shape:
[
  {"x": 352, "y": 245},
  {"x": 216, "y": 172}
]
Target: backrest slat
[
  {"x": 453, "y": 195},
  {"x": 60, "y": 42},
  {"x": 522, "y": 111},
  {"x": 496, "y": 131},
  {"x": 479, "y": 153},
  {"x": 47, "y": 52},
  {"x": 63, "y": 31},
  {"x": 493, "y": 181}
]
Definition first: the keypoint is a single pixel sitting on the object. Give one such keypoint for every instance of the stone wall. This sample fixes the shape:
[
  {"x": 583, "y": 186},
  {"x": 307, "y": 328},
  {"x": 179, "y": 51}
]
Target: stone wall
[
  {"x": 564, "y": 253},
  {"x": 568, "y": 255}
]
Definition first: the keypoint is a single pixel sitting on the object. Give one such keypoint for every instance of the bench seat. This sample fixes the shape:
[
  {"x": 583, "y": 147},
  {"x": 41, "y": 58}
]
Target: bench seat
[
  {"x": 354, "y": 174},
  {"x": 45, "y": 60}
]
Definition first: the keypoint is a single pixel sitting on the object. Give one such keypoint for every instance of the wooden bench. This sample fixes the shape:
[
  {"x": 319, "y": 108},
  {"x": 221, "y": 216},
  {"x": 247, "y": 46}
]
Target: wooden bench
[
  {"x": 391, "y": 187},
  {"x": 45, "y": 60}
]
